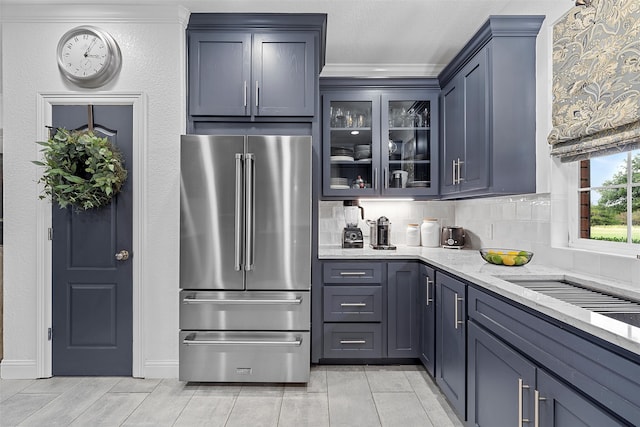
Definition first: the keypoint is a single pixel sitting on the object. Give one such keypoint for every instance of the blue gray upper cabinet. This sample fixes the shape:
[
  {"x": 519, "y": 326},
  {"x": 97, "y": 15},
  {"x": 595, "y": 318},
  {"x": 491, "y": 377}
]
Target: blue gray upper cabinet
[
  {"x": 252, "y": 65},
  {"x": 379, "y": 137},
  {"x": 488, "y": 111}
]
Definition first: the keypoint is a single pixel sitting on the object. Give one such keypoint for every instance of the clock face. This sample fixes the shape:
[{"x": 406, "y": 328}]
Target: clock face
[
  {"x": 88, "y": 56},
  {"x": 85, "y": 54}
]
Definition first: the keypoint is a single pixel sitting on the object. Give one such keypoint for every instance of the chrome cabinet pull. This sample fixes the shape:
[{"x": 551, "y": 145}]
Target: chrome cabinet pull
[
  {"x": 245, "y": 94},
  {"x": 453, "y": 172},
  {"x": 430, "y": 300},
  {"x": 375, "y": 179},
  {"x": 123, "y": 255},
  {"x": 249, "y": 212},
  {"x": 460, "y": 179},
  {"x": 353, "y": 342},
  {"x": 456, "y": 300},
  {"x": 353, "y": 273},
  {"x": 353, "y": 304},
  {"x": 385, "y": 178},
  {"x": 297, "y": 342},
  {"x": 536, "y": 407},
  {"x": 257, "y": 92},
  {"x": 238, "y": 216},
  {"x": 194, "y": 300},
  {"x": 521, "y": 388}
]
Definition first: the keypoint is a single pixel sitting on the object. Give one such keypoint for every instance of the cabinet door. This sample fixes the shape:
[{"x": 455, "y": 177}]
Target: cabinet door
[
  {"x": 500, "y": 382},
  {"x": 427, "y": 303},
  {"x": 474, "y": 172},
  {"x": 402, "y": 310},
  {"x": 351, "y": 144},
  {"x": 219, "y": 73},
  {"x": 409, "y": 141},
  {"x": 451, "y": 340},
  {"x": 283, "y": 74},
  {"x": 452, "y": 109},
  {"x": 560, "y": 406}
]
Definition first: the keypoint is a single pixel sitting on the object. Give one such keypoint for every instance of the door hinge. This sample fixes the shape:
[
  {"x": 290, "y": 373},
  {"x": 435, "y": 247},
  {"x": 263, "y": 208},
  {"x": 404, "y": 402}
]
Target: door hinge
[
  {"x": 50, "y": 233},
  {"x": 49, "y": 334}
]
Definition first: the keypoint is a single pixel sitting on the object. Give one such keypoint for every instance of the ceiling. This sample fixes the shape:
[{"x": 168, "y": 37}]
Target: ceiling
[{"x": 412, "y": 38}]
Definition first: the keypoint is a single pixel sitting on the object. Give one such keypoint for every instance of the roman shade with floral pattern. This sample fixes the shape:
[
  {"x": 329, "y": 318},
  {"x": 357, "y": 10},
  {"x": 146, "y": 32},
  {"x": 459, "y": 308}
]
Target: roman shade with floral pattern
[{"x": 596, "y": 80}]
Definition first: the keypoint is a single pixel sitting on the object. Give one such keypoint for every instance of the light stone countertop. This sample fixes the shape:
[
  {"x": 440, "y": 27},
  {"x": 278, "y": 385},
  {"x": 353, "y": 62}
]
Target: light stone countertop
[{"x": 468, "y": 265}]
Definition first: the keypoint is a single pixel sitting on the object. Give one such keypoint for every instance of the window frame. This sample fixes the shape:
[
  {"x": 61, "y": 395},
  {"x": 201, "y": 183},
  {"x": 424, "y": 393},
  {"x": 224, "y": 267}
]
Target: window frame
[{"x": 573, "y": 198}]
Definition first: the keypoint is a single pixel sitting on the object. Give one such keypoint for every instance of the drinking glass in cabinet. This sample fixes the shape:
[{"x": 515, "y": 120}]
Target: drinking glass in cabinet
[{"x": 350, "y": 141}]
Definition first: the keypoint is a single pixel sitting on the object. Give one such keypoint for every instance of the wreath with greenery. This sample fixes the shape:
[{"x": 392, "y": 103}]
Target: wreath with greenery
[{"x": 81, "y": 169}]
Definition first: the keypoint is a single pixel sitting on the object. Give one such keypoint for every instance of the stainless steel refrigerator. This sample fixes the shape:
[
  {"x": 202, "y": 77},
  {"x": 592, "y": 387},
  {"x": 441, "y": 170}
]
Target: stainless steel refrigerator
[{"x": 245, "y": 258}]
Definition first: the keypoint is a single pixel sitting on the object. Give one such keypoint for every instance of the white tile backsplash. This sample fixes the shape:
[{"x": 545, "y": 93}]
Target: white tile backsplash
[{"x": 531, "y": 222}]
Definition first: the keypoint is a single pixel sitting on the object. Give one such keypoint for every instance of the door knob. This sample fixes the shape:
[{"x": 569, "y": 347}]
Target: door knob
[{"x": 123, "y": 255}]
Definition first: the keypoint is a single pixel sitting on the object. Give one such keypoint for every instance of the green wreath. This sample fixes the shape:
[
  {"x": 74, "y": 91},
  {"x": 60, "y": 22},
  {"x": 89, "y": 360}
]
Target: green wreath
[{"x": 81, "y": 169}]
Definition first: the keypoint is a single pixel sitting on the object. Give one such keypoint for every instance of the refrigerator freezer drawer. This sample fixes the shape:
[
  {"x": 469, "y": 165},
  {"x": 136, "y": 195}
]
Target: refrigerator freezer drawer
[
  {"x": 244, "y": 356},
  {"x": 245, "y": 311}
]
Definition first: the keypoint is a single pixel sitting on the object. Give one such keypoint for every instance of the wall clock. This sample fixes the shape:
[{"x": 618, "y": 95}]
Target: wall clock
[{"x": 88, "y": 56}]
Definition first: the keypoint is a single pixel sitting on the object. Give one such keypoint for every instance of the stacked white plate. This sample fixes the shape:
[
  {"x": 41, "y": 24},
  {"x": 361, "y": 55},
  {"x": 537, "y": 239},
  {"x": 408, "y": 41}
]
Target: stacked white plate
[{"x": 339, "y": 183}]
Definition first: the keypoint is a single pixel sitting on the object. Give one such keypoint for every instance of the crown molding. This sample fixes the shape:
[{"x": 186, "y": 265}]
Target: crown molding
[
  {"x": 83, "y": 13},
  {"x": 381, "y": 70}
]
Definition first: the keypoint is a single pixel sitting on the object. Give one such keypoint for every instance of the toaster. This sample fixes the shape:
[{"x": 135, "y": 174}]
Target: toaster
[{"x": 452, "y": 237}]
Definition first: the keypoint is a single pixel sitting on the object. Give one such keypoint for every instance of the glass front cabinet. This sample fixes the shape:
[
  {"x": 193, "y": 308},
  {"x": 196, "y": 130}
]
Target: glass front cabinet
[{"x": 380, "y": 143}]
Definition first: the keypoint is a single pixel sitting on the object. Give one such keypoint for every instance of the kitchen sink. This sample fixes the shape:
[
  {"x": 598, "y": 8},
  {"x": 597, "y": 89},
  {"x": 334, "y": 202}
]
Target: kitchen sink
[{"x": 573, "y": 292}]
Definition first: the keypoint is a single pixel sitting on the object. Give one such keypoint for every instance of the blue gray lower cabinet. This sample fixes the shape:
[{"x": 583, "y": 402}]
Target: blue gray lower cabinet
[
  {"x": 451, "y": 340},
  {"x": 403, "y": 338},
  {"x": 370, "y": 310},
  {"x": 583, "y": 382},
  {"x": 499, "y": 377},
  {"x": 427, "y": 304}
]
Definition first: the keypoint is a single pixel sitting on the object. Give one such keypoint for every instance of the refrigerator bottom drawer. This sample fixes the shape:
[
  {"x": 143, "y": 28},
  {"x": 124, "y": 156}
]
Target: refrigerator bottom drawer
[{"x": 244, "y": 356}]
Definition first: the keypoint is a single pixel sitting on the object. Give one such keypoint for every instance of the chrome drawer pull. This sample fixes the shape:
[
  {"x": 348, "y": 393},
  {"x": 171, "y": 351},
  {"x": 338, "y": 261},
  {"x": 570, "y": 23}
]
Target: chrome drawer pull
[
  {"x": 242, "y": 342},
  {"x": 521, "y": 388},
  {"x": 456, "y": 322},
  {"x": 353, "y": 273},
  {"x": 353, "y": 342},
  {"x": 192, "y": 300},
  {"x": 353, "y": 304}
]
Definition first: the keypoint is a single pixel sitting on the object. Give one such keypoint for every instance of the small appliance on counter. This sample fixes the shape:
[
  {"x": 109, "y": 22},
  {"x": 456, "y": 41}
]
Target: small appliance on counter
[
  {"x": 351, "y": 234},
  {"x": 380, "y": 234},
  {"x": 452, "y": 237}
]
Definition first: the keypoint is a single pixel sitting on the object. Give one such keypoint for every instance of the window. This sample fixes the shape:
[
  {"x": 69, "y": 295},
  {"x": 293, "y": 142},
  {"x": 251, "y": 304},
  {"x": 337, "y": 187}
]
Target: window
[{"x": 609, "y": 198}]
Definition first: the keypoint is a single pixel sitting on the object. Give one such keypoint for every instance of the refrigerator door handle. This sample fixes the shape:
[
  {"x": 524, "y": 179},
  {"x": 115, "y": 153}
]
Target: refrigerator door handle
[
  {"x": 238, "y": 217},
  {"x": 249, "y": 212}
]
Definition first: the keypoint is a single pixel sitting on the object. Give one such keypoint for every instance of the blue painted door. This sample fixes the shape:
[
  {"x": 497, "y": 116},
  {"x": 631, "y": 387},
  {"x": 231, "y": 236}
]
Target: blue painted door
[
  {"x": 283, "y": 74},
  {"x": 452, "y": 135},
  {"x": 427, "y": 301},
  {"x": 219, "y": 73},
  {"x": 498, "y": 378},
  {"x": 92, "y": 290},
  {"x": 561, "y": 406},
  {"x": 451, "y": 340},
  {"x": 402, "y": 310}
]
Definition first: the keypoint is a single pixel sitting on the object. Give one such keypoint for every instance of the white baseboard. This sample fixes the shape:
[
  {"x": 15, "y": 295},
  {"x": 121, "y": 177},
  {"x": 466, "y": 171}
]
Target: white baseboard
[
  {"x": 161, "y": 369},
  {"x": 18, "y": 370}
]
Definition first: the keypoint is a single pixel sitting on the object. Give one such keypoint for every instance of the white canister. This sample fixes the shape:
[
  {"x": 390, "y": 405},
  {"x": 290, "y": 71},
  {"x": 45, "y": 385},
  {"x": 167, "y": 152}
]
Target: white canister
[
  {"x": 430, "y": 233},
  {"x": 413, "y": 235}
]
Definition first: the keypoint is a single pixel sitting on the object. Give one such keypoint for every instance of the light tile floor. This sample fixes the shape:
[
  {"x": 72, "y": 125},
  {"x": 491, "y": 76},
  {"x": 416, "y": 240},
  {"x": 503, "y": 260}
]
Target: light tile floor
[{"x": 335, "y": 396}]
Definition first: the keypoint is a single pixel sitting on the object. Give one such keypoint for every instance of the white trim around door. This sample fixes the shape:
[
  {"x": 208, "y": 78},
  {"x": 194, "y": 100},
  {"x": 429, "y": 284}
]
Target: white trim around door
[{"x": 45, "y": 103}]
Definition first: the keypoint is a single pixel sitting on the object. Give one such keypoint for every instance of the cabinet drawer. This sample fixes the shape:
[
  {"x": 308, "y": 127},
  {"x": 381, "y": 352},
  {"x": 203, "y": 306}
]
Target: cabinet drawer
[
  {"x": 353, "y": 273},
  {"x": 352, "y": 303},
  {"x": 352, "y": 340}
]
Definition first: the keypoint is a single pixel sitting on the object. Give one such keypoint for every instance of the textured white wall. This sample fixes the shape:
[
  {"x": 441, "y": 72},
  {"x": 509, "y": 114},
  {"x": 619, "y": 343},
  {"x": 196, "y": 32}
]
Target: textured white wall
[{"x": 152, "y": 44}]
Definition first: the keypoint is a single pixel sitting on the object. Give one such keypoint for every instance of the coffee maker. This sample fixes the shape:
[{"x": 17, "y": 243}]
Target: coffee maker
[
  {"x": 380, "y": 234},
  {"x": 351, "y": 234}
]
